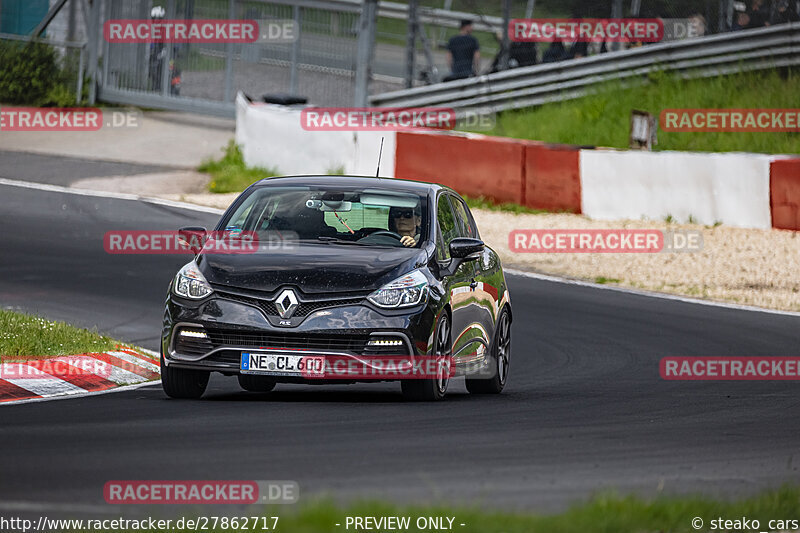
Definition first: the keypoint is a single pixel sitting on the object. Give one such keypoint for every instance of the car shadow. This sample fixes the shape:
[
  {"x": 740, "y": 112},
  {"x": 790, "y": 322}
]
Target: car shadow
[{"x": 380, "y": 394}]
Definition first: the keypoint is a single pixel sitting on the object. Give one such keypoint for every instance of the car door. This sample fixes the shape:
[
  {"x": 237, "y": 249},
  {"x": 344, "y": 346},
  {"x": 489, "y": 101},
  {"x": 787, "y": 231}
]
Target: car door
[
  {"x": 457, "y": 285},
  {"x": 481, "y": 304}
]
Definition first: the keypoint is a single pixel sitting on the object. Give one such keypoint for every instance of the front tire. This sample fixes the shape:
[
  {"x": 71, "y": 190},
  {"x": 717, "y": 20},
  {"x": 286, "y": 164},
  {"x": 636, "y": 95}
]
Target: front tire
[
  {"x": 256, "y": 383},
  {"x": 181, "y": 383},
  {"x": 501, "y": 354},
  {"x": 431, "y": 390}
]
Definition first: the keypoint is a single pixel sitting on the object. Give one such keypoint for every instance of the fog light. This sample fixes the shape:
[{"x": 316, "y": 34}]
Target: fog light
[
  {"x": 385, "y": 342},
  {"x": 193, "y": 334}
]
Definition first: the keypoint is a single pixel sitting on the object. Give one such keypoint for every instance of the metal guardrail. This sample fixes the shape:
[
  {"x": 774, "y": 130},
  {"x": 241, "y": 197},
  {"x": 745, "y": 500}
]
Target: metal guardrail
[
  {"x": 396, "y": 10},
  {"x": 439, "y": 17},
  {"x": 763, "y": 48}
]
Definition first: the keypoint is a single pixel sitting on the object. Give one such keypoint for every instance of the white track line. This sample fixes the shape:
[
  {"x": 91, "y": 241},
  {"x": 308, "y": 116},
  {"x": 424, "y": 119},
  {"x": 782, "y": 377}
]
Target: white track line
[
  {"x": 58, "y": 507},
  {"x": 105, "y": 194},
  {"x": 649, "y": 294},
  {"x": 514, "y": 272}
]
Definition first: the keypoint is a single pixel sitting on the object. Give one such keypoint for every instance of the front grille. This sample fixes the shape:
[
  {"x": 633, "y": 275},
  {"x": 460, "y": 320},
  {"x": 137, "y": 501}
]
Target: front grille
[
  {"x": 228, "y": 357},
  {"x": 304, "y": 308},
  {"x": 306, "y": 341}
]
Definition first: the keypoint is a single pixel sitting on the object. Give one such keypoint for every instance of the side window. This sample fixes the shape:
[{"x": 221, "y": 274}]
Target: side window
[
  {"x": 239, "y": 218},
  {"x": 463, "y": 216},
  {"x": 447, "y": 226}
]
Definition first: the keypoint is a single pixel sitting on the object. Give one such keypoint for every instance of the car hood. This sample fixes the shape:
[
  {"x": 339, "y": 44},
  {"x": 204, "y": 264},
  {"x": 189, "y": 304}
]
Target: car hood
[{"x": 313, "y": 268}]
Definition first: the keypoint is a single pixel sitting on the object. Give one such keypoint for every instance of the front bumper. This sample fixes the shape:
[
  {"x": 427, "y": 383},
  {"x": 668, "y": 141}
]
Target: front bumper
[{"x": 233, "y": 327}]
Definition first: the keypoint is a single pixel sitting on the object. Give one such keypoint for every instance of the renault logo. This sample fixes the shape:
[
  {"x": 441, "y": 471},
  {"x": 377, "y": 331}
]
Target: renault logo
[{"x": 286, "y": 302}]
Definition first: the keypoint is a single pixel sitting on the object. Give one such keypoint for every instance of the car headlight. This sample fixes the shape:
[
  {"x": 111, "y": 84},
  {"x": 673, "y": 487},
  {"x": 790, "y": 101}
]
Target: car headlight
[
  {"x": 405, "y": 291},
  {"x": 190, "y": 283}
]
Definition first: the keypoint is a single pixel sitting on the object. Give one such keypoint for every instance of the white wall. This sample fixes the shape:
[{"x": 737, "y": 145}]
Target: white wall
[
  {"x": 731, "y": 188},
  {"x": 272, "y": 136}
]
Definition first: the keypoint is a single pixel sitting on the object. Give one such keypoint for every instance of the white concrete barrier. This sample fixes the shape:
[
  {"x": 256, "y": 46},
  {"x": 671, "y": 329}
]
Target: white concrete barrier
[
  {"x": 731, "y": 188},
  {"x": 272, "y": 136}
]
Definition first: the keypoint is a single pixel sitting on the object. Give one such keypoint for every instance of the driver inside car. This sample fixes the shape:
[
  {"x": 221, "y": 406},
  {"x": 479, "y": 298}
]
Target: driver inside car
[{"x": 405, "y": 221}]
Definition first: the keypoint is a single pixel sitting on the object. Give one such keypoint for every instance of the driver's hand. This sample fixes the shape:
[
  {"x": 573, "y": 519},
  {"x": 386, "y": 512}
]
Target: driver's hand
[{"x": 408, "y": 241}]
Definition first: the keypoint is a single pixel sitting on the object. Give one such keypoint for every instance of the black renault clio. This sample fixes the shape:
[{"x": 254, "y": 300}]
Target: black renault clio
[{"x": 344, "y": 267}]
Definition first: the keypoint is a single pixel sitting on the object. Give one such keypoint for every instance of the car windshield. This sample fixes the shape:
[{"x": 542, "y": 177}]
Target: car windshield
[{"x": 336, "y": 216}]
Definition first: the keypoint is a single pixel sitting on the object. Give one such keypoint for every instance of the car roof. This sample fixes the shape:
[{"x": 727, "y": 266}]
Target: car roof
[{"x": 419, "y": 187}]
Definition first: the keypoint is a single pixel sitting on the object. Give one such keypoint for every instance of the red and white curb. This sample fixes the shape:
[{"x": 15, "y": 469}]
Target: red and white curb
[{"x": 93, "y": 372}]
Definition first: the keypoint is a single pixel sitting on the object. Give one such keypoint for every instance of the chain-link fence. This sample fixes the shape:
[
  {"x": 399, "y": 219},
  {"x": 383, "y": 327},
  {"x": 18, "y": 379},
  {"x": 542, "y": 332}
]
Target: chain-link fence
[
  {"x": 326, "y": 56},
  {"x": 319, "y": 63},
  {"x": 438, "y": 23}
]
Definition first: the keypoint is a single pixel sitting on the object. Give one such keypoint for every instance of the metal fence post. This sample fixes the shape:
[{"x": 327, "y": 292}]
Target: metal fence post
[
  {"x": 106, "y": 47},
  {"x": 295, "y": 52},
  {"x": 616, "y": 13},
  {"x": 228, "y": 91},
  {"x": 729, "y": 8},
  {"x": 366, "y": 43},
  {"x": 411, "y": 43},
  {"x": 166, "y": 74},
  {"x": 79, "y": 88},
  {"x": 529, "y": 9},
  {"x": 92, "y": 33},
  {"x": 505, "y": 53}
]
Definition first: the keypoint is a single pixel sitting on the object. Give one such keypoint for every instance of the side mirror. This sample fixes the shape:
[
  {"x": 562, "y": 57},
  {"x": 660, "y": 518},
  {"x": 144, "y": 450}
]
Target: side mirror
[
  {"x": 462, "y": 249},
  {"x": 194, "y": 237},
  {"x": 466, "y": 249}
]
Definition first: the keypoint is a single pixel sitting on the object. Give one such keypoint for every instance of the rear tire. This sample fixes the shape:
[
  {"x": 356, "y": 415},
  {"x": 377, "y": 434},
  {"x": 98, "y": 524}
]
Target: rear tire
[
  {"x": 432, "y": 390},
  {"x": 256, "y": 383},
  {"x": 501, "y": 354},
  {"x": 182, "y": 383}
]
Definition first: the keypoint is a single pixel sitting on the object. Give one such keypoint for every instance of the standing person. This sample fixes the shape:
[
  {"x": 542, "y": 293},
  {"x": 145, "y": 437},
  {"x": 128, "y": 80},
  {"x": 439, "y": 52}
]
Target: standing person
[
  {"x": 555, "y": 52},
  {"x": 784, "y": 14},
  {"x": 742, "y": 20},
  {"x": 463, "y": 53},
  {"x": 759, "y": 15},
  {"x": 521, "y": 54}
]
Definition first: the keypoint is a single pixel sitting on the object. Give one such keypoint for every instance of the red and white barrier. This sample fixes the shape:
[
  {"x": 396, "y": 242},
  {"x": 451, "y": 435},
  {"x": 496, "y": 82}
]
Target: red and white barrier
[
  {"x": 473, "y": 164},
  {"x": 785, "y": 189},
  {"x": 77, "y": 374},
  {"x": 736, "y": 189}
]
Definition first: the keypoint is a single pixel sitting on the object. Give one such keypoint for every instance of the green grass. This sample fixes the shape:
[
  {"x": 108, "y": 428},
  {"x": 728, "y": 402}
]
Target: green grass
[
  {"x": 603, "y": 119},
  {"x": 602, "y": 280},
  {"x": 28, "y": 336},
  {"x": 487, "y": 203},
  {"x": 603, "y": 514},
  {"x": 230, "y": 174},
  {"x": 336, "y": 171}
]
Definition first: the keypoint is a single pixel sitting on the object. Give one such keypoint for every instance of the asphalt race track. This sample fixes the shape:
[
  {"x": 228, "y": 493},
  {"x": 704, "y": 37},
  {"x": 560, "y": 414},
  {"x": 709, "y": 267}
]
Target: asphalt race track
[{"x": 585, "y": 409}]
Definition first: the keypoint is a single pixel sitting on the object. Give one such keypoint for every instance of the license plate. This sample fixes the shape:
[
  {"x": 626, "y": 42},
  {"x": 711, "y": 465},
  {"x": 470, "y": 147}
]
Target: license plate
[{"x": 281, "y": 364}]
